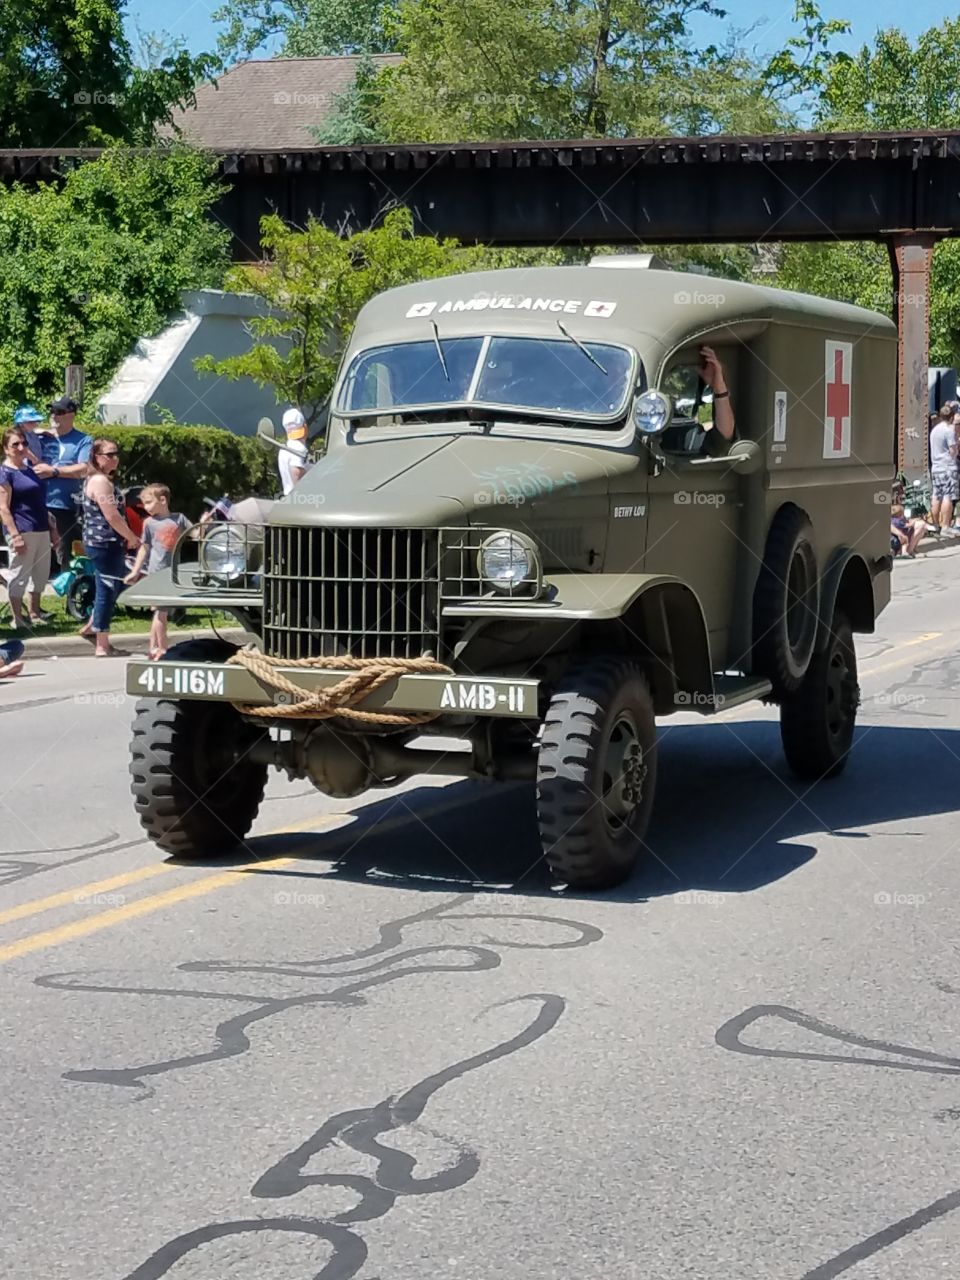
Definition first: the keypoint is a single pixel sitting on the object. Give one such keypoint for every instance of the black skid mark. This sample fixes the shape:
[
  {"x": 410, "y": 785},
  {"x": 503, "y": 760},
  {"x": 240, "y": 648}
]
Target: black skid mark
[
  {"x": 728, "y": 1037},
  {"x": 884, "y": 1238},
  {"x": 359, "y": 1129},
  {"x": 14, "y": 867},
  {"x": 921, "y": 1060},
  {"x": 349, "y": 1250},
  {"x": 230, "y": 1037}
]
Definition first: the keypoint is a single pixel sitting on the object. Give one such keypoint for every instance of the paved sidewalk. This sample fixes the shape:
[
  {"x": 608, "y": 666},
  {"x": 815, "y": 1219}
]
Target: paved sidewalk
[{"x": 73, "y": 646}]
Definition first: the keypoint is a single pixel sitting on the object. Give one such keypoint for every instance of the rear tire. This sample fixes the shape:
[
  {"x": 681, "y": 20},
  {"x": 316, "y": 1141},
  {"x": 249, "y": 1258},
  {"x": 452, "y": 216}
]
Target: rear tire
[
  {"x": 195, "y": 788},
  {"x": 817, "y": 722},
  {"x": 597, "y": 773},
  {"x": 786, "y": 604}
]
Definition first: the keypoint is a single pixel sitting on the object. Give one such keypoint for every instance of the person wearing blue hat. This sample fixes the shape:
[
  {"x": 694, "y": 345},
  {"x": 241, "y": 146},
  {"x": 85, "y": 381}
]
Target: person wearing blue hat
[
  {"x": 42, "y": 446},
  {"x": 64, "y": 473}
]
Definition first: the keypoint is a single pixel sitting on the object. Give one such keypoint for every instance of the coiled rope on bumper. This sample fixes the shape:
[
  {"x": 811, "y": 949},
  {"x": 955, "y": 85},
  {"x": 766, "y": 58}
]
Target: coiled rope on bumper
[{"x": 338, "y": 699}]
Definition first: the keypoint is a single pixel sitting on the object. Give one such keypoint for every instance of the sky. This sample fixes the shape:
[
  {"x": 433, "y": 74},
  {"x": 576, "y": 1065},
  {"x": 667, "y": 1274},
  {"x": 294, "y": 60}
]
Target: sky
[{"x": 771, "y": 19}]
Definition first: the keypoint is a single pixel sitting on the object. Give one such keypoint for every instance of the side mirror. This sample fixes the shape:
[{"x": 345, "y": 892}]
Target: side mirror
[
  {"x": 267, "y": 432},
  {"x": 745, "y": 455}
]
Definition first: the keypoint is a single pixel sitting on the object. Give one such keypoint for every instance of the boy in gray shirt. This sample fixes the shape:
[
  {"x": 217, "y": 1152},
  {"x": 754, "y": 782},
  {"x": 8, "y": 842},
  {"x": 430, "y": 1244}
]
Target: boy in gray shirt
[{"x": 161, "y": 531}]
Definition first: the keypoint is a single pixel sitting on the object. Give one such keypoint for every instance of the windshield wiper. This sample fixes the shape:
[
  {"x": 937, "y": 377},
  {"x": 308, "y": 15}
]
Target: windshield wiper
[
  {"x": 436, "y": 343},
  {"x": 577, "y": 343}
]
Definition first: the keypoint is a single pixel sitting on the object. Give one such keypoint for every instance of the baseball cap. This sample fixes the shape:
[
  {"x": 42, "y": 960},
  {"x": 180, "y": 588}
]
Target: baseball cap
[
  {"x": 26, "y": 413},
  {"x": 64, "y": 405},
  {"x": 295, "y": 424}
]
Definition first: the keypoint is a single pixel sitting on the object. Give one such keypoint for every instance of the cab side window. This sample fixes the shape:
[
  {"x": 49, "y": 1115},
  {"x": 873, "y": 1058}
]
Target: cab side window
[{"x": 685, "y": 434}]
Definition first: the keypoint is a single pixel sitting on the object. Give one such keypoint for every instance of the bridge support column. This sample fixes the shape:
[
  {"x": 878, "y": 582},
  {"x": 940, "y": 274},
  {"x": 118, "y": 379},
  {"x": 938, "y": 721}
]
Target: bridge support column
[{"x": 910, "y": 257}]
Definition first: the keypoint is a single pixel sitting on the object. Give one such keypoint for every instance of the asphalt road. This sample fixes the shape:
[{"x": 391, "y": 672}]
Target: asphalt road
[{"x": 379, "y": 1044}]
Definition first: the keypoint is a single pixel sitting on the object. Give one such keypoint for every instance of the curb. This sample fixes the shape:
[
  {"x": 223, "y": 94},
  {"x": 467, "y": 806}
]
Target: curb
[
  {"x": 38, "y": 646},
  {"x": 930, "y": 546}
]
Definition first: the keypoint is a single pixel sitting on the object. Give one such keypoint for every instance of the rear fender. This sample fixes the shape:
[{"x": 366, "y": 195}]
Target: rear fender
[{"x": 849, "y": 585}]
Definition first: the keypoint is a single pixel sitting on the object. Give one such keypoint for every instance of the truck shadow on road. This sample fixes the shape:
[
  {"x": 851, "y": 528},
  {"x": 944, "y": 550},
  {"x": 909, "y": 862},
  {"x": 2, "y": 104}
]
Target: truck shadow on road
[{"x": 728, "y": 818}]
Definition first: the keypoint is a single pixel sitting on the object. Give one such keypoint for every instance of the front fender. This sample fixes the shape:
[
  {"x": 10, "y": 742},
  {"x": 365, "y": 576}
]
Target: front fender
[
  {"x": 158, "y": 590},
  {"x": 587, "y": 597}
]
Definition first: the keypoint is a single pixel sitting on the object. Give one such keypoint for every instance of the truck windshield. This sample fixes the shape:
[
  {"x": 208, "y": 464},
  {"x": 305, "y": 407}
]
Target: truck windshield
[{"x": 538, "y": 375}]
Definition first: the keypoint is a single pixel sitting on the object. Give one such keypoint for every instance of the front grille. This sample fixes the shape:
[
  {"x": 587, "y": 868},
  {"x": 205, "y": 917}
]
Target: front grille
[{"x": 368, "y": 593}]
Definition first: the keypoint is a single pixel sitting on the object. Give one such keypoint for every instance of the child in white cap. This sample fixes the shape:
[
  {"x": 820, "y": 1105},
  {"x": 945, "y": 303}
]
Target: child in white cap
[{"x": 292, "y": 459}]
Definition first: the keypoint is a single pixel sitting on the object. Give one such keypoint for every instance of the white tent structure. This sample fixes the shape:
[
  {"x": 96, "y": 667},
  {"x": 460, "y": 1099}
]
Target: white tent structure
[{"x": 158, "y": 379}]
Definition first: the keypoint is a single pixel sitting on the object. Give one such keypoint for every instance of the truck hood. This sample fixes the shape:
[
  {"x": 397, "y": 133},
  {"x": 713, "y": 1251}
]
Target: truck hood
[{"x": 426, "y": 481}]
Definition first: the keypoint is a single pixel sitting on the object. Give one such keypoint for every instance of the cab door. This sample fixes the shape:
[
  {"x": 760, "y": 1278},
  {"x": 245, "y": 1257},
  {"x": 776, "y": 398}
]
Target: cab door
[{"x": 694, "y": 511}]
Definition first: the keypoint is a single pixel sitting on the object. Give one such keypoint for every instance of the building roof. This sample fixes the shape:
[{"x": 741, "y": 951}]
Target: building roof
[{"x": 270, "y": 103}]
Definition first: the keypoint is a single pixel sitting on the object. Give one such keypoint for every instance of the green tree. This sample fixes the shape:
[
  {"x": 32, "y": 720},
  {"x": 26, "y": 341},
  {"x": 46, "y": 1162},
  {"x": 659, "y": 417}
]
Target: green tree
[
  {"x": 68, "y": 77},
  {"x": 352, "y": 121},
  {"x": 894, "y": 84},
  {"x": 483, "y": 69},
  {"x": 314, "y": 283},
  {"x": 891, "y": 84},
  {"x": 99, "y": 262},
  {"x": 305, "y": 28}
]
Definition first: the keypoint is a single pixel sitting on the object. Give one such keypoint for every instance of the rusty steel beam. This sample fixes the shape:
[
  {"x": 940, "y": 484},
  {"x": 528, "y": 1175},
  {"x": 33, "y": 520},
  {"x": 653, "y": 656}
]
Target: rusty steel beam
[{"x": 910, "y": 258}]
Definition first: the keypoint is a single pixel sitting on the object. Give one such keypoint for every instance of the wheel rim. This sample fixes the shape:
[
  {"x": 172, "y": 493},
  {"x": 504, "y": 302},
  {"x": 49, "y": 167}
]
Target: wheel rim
[
  {"x": 218, "y": 750},
  {"x": 841, "y": 693},
  {"x": 624, "y": 774},
  {"x": 800, "y": 617}
]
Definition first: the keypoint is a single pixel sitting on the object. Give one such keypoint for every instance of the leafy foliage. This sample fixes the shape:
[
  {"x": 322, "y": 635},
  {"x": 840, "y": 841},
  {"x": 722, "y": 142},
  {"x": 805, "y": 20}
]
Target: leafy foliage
[
  {"x": 68, "y": 77},
  {"x": 483, "y": 69},
  {"x": 315, "y": 282},
  {"x": 99, "y": 262},
  {"x": 352, "y": 118},
  {"x": 307, "y": 28},
  {"x": 220, "y": 463}
]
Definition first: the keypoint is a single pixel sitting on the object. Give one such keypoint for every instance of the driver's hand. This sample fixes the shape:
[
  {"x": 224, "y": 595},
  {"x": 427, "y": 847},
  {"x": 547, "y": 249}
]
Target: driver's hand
[{"x": 710, "y": 369}]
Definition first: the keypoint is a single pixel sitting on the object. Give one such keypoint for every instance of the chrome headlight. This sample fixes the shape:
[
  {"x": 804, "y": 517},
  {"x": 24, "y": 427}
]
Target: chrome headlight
[
  {"x": 651, "y": 413},
  {"x": 223, "y": 553},
  {"x": 510, "y": 561}
]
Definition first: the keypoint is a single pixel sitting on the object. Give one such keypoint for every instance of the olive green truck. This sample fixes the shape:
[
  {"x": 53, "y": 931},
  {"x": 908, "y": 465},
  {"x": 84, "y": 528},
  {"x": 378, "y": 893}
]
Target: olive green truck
[{"x": 525, "y": 533}]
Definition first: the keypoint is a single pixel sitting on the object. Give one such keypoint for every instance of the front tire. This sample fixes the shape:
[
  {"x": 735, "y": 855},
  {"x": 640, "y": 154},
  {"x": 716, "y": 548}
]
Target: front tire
[
  {"x": 196, "y": 790},
  {"x": 597, "y": 773},
  {"x": 817, "y": 722}
]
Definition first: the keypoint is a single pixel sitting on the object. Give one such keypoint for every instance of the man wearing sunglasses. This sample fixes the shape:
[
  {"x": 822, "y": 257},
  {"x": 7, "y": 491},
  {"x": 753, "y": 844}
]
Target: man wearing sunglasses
[{"x": 64, "y": 475}]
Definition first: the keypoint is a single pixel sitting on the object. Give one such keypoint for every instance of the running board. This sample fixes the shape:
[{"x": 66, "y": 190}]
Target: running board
[{"x": 731, "y": 691}]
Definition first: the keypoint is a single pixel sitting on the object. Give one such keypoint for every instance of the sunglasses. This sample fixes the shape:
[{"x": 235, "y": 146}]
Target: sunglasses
[
  {"x": 16, "y": 444},
  {"x": 109, "y": 453}
]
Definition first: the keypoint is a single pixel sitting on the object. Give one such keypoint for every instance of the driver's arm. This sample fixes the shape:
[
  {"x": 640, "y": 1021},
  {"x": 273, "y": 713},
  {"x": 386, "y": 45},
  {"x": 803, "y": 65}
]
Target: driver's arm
[{"x": 711, "y": 371}]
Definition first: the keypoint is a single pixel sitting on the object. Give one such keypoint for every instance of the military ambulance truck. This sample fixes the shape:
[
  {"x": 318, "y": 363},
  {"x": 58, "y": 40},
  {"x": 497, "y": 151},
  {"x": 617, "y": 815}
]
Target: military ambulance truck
[{"x": 525, "y": 534}]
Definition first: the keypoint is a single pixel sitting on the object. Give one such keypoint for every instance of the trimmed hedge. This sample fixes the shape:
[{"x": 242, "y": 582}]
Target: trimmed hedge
[{"x": 196, "y": 462}]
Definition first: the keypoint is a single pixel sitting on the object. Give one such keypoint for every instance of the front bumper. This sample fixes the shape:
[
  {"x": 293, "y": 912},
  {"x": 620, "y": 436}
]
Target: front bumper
[{"x": 449, "y": 695}]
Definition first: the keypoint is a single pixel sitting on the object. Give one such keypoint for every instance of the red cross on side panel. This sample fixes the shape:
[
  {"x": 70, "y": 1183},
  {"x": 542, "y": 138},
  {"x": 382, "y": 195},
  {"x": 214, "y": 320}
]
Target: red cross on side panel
[{"x": 837, "y": 407}]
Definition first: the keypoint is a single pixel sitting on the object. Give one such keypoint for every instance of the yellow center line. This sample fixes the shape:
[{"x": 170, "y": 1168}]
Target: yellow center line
[
  {"x": 71, "y": 896},
  {"x": 181, "y": 893},
  {"x": 142, "y": 906}
]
